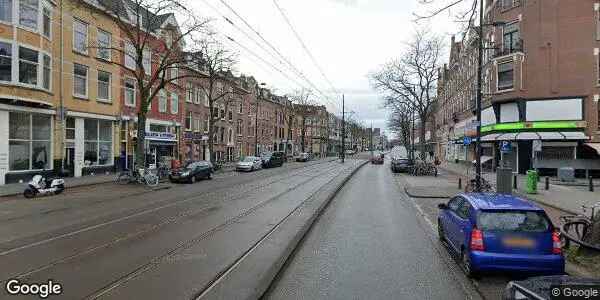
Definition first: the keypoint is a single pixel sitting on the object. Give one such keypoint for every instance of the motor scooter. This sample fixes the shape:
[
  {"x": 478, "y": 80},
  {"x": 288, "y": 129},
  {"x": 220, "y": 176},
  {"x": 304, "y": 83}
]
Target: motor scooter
[{"x": 42, "y": 186}]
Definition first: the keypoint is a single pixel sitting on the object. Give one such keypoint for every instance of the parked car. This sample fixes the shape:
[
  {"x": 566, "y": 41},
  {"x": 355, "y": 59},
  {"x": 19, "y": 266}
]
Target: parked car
[
  {"x": 494, "y": 232},
  {"x": 540, "y": 287},
  {"x": 192, "y": 171},
  {"x": 249, "y": 164},
  {"x": 303, "y": 157},
  {"x": 272, "y": 159},
  {"x": 377, "y": 158},
  {"x": 400, "y": 164}
]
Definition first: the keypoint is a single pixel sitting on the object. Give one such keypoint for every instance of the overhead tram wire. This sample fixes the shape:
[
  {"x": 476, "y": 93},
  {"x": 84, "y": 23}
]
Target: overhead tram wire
[
  {"x": 336, "y": 105},
  {"x": 308, "y": 52},
  {"x": 288, "y": 65}
]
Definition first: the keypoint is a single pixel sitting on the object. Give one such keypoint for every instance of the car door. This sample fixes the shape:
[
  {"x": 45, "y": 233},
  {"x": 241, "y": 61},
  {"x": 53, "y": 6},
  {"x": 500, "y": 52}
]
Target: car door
[
  {"x": 449, "y": 219},
  {"x": 463, "y": 224}
]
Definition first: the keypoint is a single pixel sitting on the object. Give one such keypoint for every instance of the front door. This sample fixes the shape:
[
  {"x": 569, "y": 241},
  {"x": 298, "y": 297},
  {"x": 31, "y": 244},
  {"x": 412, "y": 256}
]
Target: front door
[{"x": 69, "y": 162}]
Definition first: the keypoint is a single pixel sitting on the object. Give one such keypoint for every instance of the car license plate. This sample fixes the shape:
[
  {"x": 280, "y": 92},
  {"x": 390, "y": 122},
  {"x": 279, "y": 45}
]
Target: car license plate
[{"x": 518, "y": 242}]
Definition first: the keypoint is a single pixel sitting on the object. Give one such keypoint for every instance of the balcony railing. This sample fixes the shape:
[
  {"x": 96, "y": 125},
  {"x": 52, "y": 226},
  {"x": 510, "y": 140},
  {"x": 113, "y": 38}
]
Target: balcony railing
[{"x": 502, "y": 51}]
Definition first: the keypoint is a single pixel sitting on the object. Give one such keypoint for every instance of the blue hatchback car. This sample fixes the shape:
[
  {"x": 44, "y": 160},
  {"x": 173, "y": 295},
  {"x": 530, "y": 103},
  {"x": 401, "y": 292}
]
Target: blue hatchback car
[{"x": 494, "y": 232}]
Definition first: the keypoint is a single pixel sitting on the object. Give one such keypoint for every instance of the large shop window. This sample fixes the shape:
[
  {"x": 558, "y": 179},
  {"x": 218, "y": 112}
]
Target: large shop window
[
  {"x": 98, "y": 142},
  {"x": 5, "y": 61},
  {"x": 28, "y": 14},
  {"x": 28, "y": 66},
  {"x": 6, "y": 10},
  {"x": 29, "y": 141}
]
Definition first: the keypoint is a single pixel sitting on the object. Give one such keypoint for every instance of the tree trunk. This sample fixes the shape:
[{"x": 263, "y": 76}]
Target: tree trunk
[
  {"x": 422, "y": 140},
  {"x": 140, "y": 148},
  {"x": 302, "y": 134}
]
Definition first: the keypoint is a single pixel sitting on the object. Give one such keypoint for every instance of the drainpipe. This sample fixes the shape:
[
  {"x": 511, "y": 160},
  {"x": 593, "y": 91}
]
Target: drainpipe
[{"x": 61, "y": 111}]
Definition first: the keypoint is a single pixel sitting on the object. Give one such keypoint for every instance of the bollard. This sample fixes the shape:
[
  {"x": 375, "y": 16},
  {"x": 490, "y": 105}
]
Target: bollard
[
  {"x": 591, "y": 184},
  {"x": 460, "y": 183},
  {"x": 547, "y": 183},
  {"x": 515, "y": 182}
]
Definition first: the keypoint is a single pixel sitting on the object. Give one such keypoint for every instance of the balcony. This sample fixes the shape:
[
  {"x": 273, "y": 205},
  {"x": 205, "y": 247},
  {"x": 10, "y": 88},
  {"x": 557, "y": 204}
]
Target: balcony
[{"x": 510, "y": 49}]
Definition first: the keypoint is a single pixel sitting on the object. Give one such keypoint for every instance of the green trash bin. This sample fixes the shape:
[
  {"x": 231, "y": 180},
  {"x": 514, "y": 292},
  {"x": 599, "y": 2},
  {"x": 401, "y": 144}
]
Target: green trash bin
[{"x": 532, "y": 181}]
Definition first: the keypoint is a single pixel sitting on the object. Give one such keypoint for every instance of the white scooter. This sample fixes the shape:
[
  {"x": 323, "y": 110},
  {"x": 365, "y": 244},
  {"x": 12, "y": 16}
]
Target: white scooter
[{"x": 42, "y": 186}]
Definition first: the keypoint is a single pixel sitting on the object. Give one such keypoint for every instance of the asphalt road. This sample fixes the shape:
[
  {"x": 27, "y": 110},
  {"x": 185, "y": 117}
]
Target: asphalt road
[
  {"x": 128, "y": 242},
  {"x": 371, "y": 243}
]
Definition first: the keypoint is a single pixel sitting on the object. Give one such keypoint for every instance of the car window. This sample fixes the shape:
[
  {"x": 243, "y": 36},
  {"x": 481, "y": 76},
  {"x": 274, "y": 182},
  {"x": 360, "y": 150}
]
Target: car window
[
  {"x": 192, "y": 165},
  {"x": 464, "y": 210},
  {"x": 454, "y": 203},
  {"x": 513, "y": 220}
]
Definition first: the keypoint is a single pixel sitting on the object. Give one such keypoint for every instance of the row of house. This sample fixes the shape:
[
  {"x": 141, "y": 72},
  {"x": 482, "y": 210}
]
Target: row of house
[
  {"x": 70, "y": 108},
  {"x": 541, "y": 85}
]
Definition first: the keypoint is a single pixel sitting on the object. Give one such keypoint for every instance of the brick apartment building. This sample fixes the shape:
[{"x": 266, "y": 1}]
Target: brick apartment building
[{"x": 541, "y": 84}]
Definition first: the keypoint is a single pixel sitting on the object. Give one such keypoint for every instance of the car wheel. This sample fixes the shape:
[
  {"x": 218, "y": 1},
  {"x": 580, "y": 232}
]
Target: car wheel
[
  {"x": 466, "y": 265},
  {"x": 252, "y": 169},
  {"x": 209, "y": 176},
  {"x": 193, "y": 179},
  {"x": 440, "y": 230}
]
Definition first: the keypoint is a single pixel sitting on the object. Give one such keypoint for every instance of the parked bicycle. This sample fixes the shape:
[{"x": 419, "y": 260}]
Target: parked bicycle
[
  {"x": 472, "y": 186},
  {"x": 141, "y": 176},
  {"x": 576, "y": 227}
]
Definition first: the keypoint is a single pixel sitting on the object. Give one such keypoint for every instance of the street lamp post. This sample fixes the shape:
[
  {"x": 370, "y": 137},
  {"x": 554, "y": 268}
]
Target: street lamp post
[
  {"x": 256, "y": 118},
  {"x": 478, "y": 99}
]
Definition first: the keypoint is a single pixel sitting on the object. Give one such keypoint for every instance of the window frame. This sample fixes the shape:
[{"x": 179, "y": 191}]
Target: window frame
[
  {"x": 162, "y": 101},
  {"x": 174, "y": 103},
  {"x": 505, "y": 88},
  {"x": 87, "y": 79},
  {"x": 102, "y": 32},
  {"x": 11, "y": 48},
  {"x": 75, "y": 32},
  {"x": 109, "y": 85},
  {"x": 37, "y": 66},
  {"x": 37, "y": 17},
  {"x": 126, "y": 89},
  {"x": 46, "y": 7},
  {"x": 189, "y": 118},
  {"x": 9, "y": 13},
  {"x": 43, "y": 73}
]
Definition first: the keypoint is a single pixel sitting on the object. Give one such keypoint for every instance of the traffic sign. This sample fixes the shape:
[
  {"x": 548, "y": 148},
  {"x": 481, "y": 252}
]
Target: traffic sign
[
  {"x": 505, "y": 147},
  {"x": 467, "y": 140}
]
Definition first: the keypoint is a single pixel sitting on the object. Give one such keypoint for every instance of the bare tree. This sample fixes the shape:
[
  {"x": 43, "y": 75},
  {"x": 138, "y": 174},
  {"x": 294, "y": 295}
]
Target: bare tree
[
  {"x": 217, "y": 64},
  {"x": 411, "y": 80},
  {"x": 399, "y": 122},
  {"x": 302, "y": 106},
  {"x": 462, "y": 11},
  {"x": 153, "y": 47},
  {"x": 290, "y": 115}
]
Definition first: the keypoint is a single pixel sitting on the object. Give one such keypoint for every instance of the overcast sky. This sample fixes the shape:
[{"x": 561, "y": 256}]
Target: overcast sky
[{"x": 348, "y": 38}]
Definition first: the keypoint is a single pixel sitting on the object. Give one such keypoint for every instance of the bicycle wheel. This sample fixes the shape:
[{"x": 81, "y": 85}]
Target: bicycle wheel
[
  {"x": 151, "y": 180},
  {"x": 123, "y": 178}
]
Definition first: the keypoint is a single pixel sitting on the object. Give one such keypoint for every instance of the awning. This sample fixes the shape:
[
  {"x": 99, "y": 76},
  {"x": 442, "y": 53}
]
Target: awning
[
  {"x": 530, "y": 136},
  {"x": 595, "y": 146}
]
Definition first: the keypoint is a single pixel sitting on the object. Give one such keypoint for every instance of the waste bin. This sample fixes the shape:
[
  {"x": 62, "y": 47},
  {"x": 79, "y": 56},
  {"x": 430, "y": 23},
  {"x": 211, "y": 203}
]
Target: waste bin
[{"x": 532, "y": 181}]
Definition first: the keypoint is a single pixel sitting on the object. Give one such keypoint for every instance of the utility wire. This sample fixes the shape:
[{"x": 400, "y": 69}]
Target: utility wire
[
  {"x": 278, "y": 52},
  {"x": 310, "y": 55}
]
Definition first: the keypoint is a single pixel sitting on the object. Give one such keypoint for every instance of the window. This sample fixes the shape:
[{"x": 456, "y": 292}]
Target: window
[
  {"x": 206, "y": 124},
  {"x": 129, "y": 91},
  {"x": 28, "y": 66},
  {"x": 162, "y": 101},
  {"x": 130, "y": 56},
  {"x": 230, "y": 115},
  {"x": 97, "y": 142},
  {"x": 197, "y": 95},
  {"x": 197, "y": 125},
  {"x": 147, "y": 61},
  {"x": 80, "y": 33},
  {"x": 47, "y": 22},
  {"x": 104, "y": 85},
  {"x": 239, "y": 127},
  {"x": 104, "y": 45},
  {"x": 241, "y": 108},
  {"x": 174, "y": 103},
  {"x": 29, "y": 141},
  {"x": 513, "y": 220},
  {"x": 511, "y": 39},
  {"x": 189, "y": 88},
  {"x": 222, "y": 113},
  {"x": 174, "y": 74},
  {"x": 47, "y": 71},
  {"x": 70, "y": 129},
  {"x": 80, "y": 76},
  {"x": 5, "y": 61},
  {"x": 188, "y": 121},
  {"x": 28, "y": 14},
  {"x": 6, "y": 10},
  {"x": 505, "y": 76}
]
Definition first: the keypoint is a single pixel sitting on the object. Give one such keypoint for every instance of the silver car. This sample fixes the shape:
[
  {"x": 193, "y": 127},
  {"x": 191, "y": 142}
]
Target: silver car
[{"x": 249, "y": 164}]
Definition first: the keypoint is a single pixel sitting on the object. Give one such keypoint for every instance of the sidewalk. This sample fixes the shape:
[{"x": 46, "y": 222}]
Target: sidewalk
[
  {"x": 568, "y": 198},
  {"x": 18, "y": 188}
]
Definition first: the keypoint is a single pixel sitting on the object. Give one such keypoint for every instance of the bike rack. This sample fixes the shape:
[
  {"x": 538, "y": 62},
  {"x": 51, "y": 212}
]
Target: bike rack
[{"x": 580, "y": 227}]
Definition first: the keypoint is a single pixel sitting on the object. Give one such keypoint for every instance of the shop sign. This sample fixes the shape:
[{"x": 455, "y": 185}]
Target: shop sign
[
  {"x": 194, "y": 136},
  {"x": 160, "y": 136}
]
